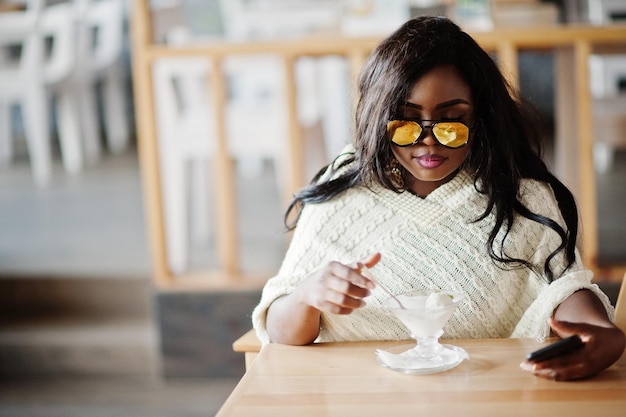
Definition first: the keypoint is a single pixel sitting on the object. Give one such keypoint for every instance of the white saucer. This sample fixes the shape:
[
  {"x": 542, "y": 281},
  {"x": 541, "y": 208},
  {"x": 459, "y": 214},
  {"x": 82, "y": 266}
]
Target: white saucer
[{"x": 407, "y": 362}]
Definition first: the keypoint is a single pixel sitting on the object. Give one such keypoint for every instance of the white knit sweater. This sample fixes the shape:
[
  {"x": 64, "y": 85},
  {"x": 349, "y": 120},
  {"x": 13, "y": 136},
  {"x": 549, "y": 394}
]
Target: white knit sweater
[{"x": 431, "y": 243}]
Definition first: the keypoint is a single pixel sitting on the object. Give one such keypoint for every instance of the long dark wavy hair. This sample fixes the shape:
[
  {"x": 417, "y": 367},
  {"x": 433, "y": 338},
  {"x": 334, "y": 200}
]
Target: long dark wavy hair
[{"x": 506, "y": 146}]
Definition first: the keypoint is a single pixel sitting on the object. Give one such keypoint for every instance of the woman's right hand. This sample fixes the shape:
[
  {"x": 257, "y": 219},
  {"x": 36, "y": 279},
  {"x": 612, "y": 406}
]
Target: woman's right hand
[
  {"x": 294, "y": 319},
  {"x": 338, "y": 288}
]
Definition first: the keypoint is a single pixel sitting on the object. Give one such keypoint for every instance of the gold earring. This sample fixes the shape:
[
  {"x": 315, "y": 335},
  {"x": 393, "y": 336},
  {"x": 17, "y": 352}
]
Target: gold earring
[{"x": 394, "y": 173}]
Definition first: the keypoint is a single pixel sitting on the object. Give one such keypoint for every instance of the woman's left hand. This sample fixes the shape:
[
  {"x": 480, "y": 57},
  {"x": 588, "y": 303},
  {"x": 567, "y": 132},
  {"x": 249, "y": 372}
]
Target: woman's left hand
[{"x": 602, "y": 347}]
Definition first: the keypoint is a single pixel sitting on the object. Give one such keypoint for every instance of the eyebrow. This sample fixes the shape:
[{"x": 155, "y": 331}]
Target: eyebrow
[{"x": 445, "y": 104}]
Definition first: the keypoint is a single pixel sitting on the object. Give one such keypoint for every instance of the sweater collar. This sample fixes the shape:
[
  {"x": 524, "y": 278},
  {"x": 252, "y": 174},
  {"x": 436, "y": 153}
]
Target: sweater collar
[{"x": 452, "y": 196}]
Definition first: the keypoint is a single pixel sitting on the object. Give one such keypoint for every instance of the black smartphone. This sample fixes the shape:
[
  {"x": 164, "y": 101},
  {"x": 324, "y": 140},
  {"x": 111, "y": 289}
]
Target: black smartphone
[{"x": 569, "y": 344}]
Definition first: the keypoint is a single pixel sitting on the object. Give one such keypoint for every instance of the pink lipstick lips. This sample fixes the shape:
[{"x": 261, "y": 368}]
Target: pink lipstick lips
[{"x": 430, "y": 161}]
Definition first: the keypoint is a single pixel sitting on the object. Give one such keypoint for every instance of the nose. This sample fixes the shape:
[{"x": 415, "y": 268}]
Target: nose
[{"x": 428, "y": 136}]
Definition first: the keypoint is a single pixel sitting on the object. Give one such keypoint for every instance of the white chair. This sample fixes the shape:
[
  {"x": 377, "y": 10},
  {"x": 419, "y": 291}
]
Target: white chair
[
  {"x": 255, "y": 109},
  {"x": 601, "y": 12},
  {"x": 335, "y": 101},
  {"x": 187, "y": 135},
  {"x": 27, "y": 82},
  {"x": 256, "y": 122},
  {"x": 57, "y": 22},
  {"x": 606, "y": 71},
  {"x": 323, "y": 84},
  {"x": 67, "y": 72},
  {"x": 609, "y": 108},
  {"x": 99, "y": 48},
  {"x": 22, "y": 83},
  {"x": 47, "y": 68},
  {"x": 258, "y": 19},
  {"x": 620, "y": 306}
]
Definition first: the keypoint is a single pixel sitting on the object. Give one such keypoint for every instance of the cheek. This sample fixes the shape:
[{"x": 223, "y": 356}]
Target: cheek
[
  {"x": 461, "y": 154},
  {"x": 457, "y": 158},
  {"x": 403, "y": 155}
]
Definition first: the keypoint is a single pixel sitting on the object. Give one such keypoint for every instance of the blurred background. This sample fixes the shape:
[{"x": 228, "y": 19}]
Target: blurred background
[{"x": 129, "y": 263}]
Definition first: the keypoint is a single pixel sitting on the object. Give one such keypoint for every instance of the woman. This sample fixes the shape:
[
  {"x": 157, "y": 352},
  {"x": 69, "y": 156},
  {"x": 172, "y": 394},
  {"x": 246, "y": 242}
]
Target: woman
[{"x": 444, "y": 188}]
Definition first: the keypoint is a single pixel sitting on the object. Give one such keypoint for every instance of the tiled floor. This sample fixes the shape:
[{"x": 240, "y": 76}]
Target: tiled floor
[
  {"x": 110, "y": 397},
  {"x": 88, "y": 226}
]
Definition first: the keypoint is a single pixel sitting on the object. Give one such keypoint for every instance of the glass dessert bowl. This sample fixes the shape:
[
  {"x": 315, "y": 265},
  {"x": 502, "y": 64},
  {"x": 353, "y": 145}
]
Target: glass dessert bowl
[{"x": 424, "y": 313}]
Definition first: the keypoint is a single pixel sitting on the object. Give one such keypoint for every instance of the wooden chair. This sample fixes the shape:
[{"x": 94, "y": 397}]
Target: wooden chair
[{"x": 620, "y": 306}]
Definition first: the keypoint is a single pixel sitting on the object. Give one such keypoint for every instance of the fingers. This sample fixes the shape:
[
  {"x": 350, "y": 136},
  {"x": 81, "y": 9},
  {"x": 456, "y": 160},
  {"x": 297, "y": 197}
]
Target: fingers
[
  {"x": 349, "y": 280},
  {"x": 562, "y": 368},
  {"x": 341, "y": 303},
  {"x": 562, "y": 328},
  {"x": 340, "y": 288},
  {"x": 561, "y": 372},
  {"x": 602, "y": 347},
  {"x": 336, "y": 302},
  {"x": 566, "y": 366},
  {"x": 369, "y": 262},
  {"x": 355, "y": 273},
  {"x": 372, "y": 260}
]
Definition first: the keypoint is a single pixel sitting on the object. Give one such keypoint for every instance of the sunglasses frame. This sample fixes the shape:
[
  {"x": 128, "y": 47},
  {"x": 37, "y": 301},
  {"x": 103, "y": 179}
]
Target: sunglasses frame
[{"x": 431, "y": 126}]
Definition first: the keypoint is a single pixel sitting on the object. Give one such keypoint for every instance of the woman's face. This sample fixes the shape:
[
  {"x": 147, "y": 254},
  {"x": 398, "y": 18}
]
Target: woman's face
[{"x": 441, "y": 94}]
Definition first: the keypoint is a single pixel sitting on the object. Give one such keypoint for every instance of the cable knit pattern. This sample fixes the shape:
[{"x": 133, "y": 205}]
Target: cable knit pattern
[{"x": 431, "y": 243}]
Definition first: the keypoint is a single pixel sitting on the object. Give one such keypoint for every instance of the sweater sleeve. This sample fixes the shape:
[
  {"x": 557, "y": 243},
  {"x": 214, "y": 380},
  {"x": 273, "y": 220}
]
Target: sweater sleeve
[
  {"x": 534, "y": 322},
  {"x": 306, "y": 253},
  {"x": 275, "y": 288},
  {"x": 282, "y": 284}
]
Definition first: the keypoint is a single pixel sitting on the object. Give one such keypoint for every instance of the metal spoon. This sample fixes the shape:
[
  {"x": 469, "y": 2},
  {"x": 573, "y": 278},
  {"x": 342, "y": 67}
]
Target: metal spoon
[{"x": 368, "y": 274}]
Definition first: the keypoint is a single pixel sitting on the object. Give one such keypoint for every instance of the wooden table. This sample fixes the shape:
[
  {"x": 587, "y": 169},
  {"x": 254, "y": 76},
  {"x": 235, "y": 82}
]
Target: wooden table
[{"x": 344, "y": 379}]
